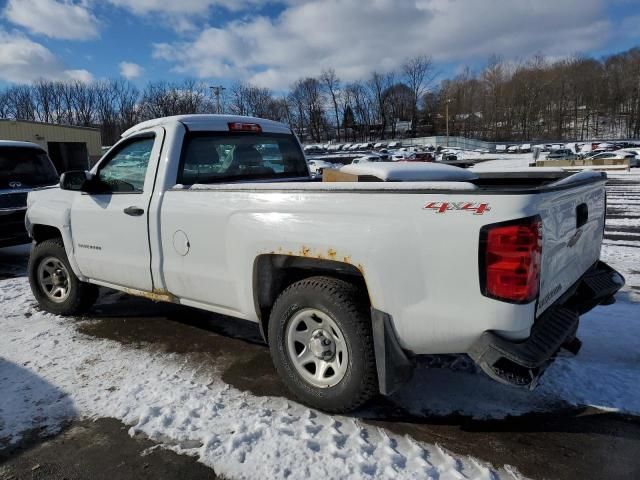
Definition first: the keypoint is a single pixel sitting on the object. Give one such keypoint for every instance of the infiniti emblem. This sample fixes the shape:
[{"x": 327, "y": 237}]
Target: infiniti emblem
[{"x": 15, "y": 184}]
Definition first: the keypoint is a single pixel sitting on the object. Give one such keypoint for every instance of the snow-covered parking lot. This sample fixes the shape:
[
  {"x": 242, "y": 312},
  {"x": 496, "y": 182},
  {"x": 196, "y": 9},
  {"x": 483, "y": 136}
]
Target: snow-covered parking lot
[{"x": 222, "y": 404}]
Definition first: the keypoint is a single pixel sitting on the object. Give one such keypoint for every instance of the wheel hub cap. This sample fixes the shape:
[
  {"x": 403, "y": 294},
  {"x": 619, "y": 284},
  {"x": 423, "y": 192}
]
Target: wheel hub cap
[
  {"x": 317, "y": 348},
  {"x": 58, "y": 278},
  {"x": 322, "y": 345}
]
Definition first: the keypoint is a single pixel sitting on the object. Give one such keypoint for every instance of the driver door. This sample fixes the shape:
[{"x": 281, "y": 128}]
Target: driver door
[{"x": 110, "y": 229}]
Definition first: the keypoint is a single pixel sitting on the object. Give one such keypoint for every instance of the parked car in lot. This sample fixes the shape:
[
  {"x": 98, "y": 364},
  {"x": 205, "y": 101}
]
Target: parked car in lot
[
  {"x": 524, "y": 148},
  {"x": 23, "y": 167},
  {"x": 496, "y": 265},
  {"x": 314, "y": 149},
  {"x": 402, "y": 155},
  {"x": 317, "y": 166},
  {"x": 371, "y": 157},
  {"x": 618, "y": 154},
  {"x": 634, "y": 161},
  {"x": 562, "y": 154}
]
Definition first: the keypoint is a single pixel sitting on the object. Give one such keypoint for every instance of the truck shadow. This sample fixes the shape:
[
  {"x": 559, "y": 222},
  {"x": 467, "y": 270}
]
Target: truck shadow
[
  {"x": 444, "y": 388},
  {"x": 31, "y": 410}
]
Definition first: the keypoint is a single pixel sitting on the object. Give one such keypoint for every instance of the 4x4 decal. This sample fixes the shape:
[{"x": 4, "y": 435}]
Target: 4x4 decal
[{"x": 443, "y": 207}]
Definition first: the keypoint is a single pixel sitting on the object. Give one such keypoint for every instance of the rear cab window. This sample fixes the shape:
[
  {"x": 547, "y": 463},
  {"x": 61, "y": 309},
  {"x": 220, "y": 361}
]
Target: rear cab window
[{"x": 221, "y": 157}]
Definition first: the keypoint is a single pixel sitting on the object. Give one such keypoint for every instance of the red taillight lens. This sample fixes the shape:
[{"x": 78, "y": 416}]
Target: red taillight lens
[
  {"x": 510, "y": 260},
  {"x": 244, "y": 127}
]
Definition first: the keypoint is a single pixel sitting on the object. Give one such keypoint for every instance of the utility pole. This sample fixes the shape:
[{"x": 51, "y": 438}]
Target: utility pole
[
  {"x": 217, "y": 91},
  {"x": 446, "y": 107}
]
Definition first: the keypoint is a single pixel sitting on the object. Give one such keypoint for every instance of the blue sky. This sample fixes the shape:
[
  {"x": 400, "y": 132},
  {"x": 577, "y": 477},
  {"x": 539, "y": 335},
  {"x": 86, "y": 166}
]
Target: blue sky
[{"x": 273, "y": 42}]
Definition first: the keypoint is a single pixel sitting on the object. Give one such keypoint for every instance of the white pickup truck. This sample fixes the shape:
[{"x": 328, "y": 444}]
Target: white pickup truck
[{"x": 348, "y": 281}]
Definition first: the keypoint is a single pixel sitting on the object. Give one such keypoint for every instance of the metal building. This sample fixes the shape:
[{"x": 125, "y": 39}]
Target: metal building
[{"x": 70, "y": 148}]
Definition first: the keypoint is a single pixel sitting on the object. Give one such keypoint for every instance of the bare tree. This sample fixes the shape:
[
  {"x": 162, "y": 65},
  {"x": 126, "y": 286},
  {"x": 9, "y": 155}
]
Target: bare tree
[
  {"x": 419, "y": 74},
  {"x": 20, "y": 102},
  {"x": 331, "y": 83},
  {"x": 306, "y": 94},
  {"x": 573, "y": 98},
  {"x": 378, "y": 85}
]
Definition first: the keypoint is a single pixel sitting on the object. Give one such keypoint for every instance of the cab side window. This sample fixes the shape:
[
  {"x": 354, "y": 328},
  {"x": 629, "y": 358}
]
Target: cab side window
[{"x": 125, "y": 171}]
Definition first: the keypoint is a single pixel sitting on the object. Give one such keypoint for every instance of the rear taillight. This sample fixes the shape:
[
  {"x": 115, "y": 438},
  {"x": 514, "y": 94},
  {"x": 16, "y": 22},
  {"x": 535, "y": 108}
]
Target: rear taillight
[
  {"x": 510, "y": 260},
  {"x": 244, "y": 127}
]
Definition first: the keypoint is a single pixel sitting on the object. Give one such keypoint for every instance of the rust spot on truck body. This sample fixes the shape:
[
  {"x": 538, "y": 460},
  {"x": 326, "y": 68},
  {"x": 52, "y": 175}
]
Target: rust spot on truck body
[
  {"x": 308, "y": 252},
  {"x": 331, "y": 254},
  {"x": 157, "y": 295}
]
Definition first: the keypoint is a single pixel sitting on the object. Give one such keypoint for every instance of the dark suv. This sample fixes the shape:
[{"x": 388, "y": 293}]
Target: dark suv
[{"x": 23, "y": 166}]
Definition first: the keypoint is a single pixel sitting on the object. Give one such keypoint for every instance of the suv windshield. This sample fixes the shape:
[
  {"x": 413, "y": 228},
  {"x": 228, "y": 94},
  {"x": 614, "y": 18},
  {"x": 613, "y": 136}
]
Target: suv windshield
[
  {"x": 25, "y": 167},
  {"x": 210, "y": 157}
]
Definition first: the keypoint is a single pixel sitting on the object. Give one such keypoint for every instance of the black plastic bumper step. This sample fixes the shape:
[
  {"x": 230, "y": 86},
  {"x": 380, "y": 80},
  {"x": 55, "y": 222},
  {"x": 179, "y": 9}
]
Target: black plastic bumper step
[{"x": 523, "y": 363}]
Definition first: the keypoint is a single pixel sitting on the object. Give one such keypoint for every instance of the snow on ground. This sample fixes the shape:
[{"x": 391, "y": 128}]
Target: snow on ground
[{"x": 49, "y": 373}]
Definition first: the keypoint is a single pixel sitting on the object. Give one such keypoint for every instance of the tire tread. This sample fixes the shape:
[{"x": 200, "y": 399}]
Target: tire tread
[
  {"x": 350, "y": 299},
  {"x": 78, "y": 302}
]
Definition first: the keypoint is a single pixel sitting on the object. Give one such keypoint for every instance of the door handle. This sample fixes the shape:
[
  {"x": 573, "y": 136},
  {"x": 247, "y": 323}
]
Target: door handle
[{"x": 134, "y": 211}]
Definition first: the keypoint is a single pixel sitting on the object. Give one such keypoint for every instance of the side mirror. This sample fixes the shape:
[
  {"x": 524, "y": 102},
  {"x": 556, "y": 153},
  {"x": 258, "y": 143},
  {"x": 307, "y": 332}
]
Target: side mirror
[{"x": 76, "y": 180}]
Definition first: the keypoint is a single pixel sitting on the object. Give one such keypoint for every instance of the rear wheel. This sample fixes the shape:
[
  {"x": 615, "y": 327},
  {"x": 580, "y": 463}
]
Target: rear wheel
[
  {"x": 321, "y": 344},
  {"x": 53, "y": 283}
]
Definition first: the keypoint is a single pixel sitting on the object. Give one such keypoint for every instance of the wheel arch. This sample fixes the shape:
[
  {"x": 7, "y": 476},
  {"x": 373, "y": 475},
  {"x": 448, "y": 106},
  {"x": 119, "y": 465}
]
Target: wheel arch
[
  {"x": 272, "y": 273},
  {"x": 39, "y": 232}
]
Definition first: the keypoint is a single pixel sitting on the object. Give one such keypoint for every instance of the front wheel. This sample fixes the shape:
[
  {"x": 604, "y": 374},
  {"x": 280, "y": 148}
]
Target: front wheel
[
  {"x": 53, "y": 283},
  {"x": 321, "y": 343}
]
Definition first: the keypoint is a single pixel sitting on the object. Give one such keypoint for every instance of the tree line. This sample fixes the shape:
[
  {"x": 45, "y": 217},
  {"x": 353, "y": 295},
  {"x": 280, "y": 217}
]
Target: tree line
[{"x": 574, "y": 98}]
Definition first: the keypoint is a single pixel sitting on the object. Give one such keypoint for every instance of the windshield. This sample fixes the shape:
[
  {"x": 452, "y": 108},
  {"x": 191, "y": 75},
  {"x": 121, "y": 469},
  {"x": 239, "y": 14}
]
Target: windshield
[
  {"x": 25, "y": 167},
  {"x": 221, "y": 157}
]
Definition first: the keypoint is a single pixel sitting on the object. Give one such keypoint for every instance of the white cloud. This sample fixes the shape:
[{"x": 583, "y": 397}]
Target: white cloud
[
  {"x": 358, "y": 37},
  {"x": 82, "y": 75},
  {"x": 56, "y": 19},
  {"x": 23, "y": 60},
  {"x": 185, "y": 16},
  {"x": 130, "y": 70},
  {"x": 187, "y": 7}
]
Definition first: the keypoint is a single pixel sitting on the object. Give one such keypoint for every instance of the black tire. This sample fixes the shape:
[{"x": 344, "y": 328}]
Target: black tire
[
  {"x": 81, "y": 295},
  {"x": 346, "y": 305}
]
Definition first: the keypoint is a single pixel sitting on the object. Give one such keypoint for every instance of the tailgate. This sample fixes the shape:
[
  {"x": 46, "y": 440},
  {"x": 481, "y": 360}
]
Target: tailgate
[{"x": 572, "y": 226}]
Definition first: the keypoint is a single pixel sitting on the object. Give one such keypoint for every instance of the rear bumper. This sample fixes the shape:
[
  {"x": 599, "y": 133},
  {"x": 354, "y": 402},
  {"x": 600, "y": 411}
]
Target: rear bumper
[{"x": 523, "y": 363}]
